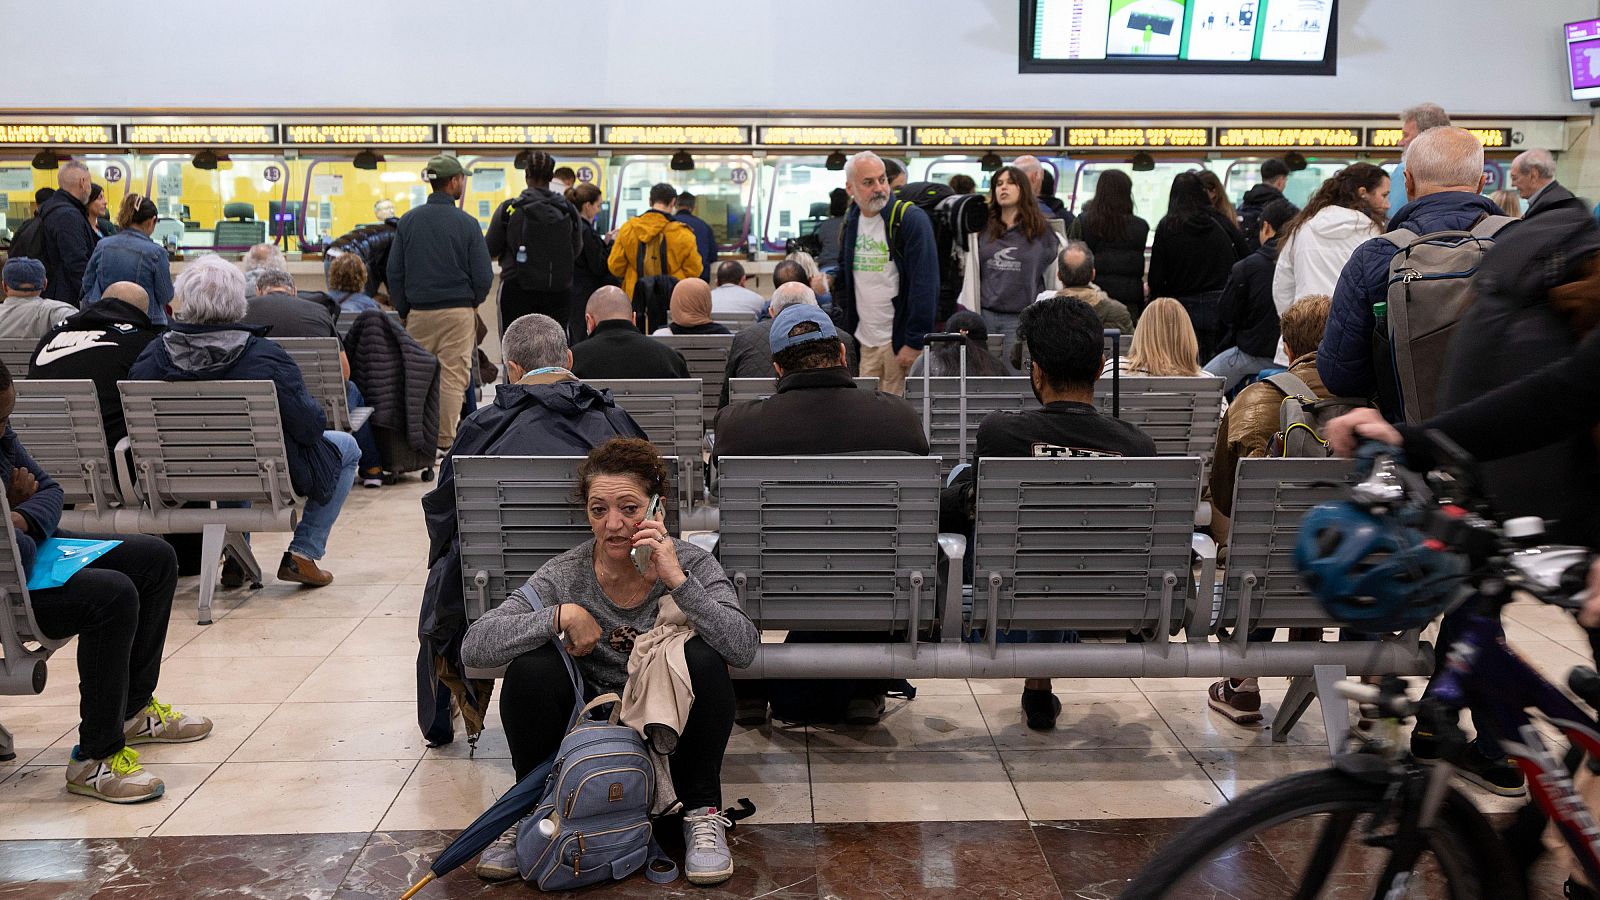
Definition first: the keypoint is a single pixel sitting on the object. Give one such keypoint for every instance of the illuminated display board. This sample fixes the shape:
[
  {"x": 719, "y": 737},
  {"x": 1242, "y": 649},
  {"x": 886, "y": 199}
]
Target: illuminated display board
[
  {"x": 57, "y": 133},
  {"x": 195, "y": 135},
  {"x": 360, "y": 134},
  {"x": 1491, "y": 138},
  {"x": 1138, "y": 137},
  {"x": 985, "y": 137},
  {"x": 492, "y": 133},
  {"x": 831, "y": 136},
  {"x": 677, "y": 135},
  {"x": 1273, "y": 138}
]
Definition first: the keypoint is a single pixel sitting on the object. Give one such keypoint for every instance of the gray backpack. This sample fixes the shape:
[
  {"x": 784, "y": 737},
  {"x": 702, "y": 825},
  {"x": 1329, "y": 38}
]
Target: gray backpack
[
  {"x": 1430, "y": 288},
  {"x": 1302, "y": 418}
]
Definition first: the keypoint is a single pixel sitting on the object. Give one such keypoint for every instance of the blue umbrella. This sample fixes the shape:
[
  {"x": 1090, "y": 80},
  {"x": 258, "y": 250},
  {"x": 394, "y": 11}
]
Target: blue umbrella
[{"x": 510, "y": 808}]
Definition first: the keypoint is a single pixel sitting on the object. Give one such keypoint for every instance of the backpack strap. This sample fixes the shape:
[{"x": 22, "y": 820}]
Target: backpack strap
[
  {"x": 1292, "y": 386},
  {"x": 1489, "y": 226},
  {"x": 579, "y": 707},
  {"x": 1401, "y": 237}
]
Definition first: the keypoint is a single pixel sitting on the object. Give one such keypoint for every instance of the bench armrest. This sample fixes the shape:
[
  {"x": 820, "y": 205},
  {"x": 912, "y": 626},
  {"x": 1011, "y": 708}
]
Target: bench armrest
[{"x": 952, "y": 567}]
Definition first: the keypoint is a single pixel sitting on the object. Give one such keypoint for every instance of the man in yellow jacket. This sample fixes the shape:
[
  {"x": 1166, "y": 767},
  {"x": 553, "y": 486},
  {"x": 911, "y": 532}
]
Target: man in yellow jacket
[{"x": 669, "y": 247}]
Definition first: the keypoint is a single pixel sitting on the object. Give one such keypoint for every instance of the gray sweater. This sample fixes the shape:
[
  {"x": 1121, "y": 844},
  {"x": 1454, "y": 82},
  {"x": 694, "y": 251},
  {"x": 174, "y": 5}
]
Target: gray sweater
[{"x": 523, "y": 623}]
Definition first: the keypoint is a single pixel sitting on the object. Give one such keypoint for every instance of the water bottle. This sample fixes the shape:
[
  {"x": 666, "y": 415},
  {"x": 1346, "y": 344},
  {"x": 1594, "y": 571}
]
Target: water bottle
[
  {"x": 522, "y": 253},
  {"x": 547, "y": 826}
]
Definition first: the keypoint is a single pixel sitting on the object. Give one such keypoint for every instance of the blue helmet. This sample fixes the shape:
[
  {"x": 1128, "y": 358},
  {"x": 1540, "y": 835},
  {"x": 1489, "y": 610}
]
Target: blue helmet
[{"x": 1371, "y": 573}]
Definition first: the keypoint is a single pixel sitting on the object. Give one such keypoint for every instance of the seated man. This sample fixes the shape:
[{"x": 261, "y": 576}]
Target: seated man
[
  {"x": 616, "y": 349},
  {"x": 817, "y": 410},
  {"x": 26, "y": 314},
  {"x": 118, "y": 607},
  {"x": 100, "y": 344},
  {"x": 1067, "y": 345},
  {"x": 1075, "y": 267},
  {"x": 209, "y": 343},
  {"x": 544, "y": 411},
  {"x": 751, "y": 353},
  {"x": 730, "y": 295}
]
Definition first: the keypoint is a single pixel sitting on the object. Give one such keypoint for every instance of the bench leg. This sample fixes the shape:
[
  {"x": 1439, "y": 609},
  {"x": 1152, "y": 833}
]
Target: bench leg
[
  {"x": 8, "y": 746},
  {"x": 1335, "y": 713},
  {"x": 212, "y": 538},
  {"x": 1295, "y": 701},
  {"x": 237, "y": 547}
]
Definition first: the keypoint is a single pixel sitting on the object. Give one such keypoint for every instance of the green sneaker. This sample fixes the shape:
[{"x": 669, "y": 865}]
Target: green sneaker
[{"x": 116, "y": 779}]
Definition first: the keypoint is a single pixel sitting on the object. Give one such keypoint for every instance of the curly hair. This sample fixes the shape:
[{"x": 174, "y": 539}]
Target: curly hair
[
  {"x": 628, "y": 457},
  {"x": 347, "y": 273}
]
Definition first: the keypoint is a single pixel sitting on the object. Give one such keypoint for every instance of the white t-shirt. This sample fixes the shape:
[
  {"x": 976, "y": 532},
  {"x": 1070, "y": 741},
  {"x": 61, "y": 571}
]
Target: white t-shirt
[
  {"x": 877, "y": 281},
  {"x": 730, "y": 298}
]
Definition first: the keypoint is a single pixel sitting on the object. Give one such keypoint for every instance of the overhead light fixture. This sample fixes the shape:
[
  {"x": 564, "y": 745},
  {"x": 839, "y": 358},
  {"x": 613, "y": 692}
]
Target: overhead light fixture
[
  {"x": 366, "y": 160},
  {"x": 682, "y": 161},
  {"x": 1143, "y": 162},
  {"x": 205, "y": 159},
  {"x": 836, "y": 161},
  {"x": 991, "y": 162},
  {"x": 46, "y": 159},
  {"x": 1294, "y": 161},
  {"x": 521, "y": 160}
]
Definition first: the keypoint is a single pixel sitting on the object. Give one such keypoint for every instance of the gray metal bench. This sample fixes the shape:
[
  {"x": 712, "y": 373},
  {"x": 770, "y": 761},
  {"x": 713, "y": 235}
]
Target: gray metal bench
[
  {"x": 203, "y": 442},
  {"x": 707, "y": 356},
  {"x": 670, "y": 410},
  {"x": 744, "y": 389},
  {"x": 23, "y": 647},
  {"x": 61, "y": 425},
  {"x": 514, "y": 514},
  {"x": 950, "y": 416},
  {"x": 734, "y": 321},
  {"x": 17, "y": 354},
  {"x": 318, "y": 359},
  {"x": 1182, "y": 415}
]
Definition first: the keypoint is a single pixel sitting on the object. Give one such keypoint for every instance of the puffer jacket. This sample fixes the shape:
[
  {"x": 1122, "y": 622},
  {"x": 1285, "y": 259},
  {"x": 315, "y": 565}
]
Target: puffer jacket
[
  {"x": 239, "y": 353},
  {"x": 1247, "y": 428},
  {"x": 681, "y": 258},
  {"x": 398, "y": 379},
  {"x": 371, "y": 244}
]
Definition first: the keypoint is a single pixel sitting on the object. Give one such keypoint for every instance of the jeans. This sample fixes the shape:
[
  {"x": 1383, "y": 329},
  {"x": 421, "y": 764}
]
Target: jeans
[
  {"x": 536, "y": 702},
  {"x": 316, "y": 523},
  {"x": 371, "y": 459},
  {"x": 118, "y": 607},
  {"x": 1234, "y": 366},
  {"x": 1006, "y": 324},
  {"x": 1487, "y": 740}
]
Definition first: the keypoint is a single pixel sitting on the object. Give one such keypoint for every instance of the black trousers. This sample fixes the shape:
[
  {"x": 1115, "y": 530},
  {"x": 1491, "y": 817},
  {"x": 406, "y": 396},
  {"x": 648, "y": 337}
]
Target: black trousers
[
  {"x": 536, "y": 702},
  {"x": 1202, "y": 309},
  {"x": 516, "y": 303},
  {"x": 118, "y": 607}
]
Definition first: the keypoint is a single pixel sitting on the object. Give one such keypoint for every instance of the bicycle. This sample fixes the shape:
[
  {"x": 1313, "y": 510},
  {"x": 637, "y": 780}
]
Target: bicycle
[{"x": 1379, "y": 823}]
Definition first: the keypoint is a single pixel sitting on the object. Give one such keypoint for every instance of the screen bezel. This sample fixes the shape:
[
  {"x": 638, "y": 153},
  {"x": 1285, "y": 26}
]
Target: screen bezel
[
  {"x": 1592, "y": 93},
  {"x": 1026, "y": 64}
]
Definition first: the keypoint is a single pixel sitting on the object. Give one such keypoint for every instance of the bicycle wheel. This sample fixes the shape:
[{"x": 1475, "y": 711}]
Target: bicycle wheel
[{"x": 1301, "y": 837}]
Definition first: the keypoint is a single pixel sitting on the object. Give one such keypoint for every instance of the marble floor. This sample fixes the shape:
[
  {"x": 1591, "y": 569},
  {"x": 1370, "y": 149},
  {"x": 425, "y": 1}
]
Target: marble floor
[{"x": 316, "y": 782}]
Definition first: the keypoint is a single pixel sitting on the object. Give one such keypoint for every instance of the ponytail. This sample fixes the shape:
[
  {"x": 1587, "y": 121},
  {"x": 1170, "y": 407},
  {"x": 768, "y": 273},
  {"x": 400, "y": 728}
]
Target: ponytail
[{"x": 136, "y": 209}]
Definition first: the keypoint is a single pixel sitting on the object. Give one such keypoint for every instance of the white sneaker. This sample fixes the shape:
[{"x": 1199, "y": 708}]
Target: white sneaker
[
  {"x": 706, "y": 858},
  {"x": 499, "y": 861},
  {"x": 116, "y": 779}
]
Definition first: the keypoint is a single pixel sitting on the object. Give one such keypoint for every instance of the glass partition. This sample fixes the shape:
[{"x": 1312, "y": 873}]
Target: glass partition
[
  {"x": 943, "y": 168},
  {"x": 723, "y": 185},
  {"x": 795, "y": 188},
  {"x": 19, "y": 180},
  {"x": 1244, "y": 174},
  {"x": 1150, "y": 189},
  {"x": 197, "y": 200},
  {"x": 497, "y": 179},
  {"x": 332, "y": 197}
]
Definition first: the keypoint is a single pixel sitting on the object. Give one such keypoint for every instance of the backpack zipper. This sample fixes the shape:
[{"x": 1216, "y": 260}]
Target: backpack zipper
[{"x": 572, "y": 798}]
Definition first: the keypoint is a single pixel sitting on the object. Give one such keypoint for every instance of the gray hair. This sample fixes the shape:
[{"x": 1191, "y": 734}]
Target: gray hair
[
  {"x": 1080, "y": 274},
  {"x": 855, "y": 162},
  {"x": 806, "y": 261},
  {"x": 535, "y": 341},
  {"x": 73, "y": 173},
  {"x": 1445, "y": 157},
  {"x": 1029, "y": 166},
  {"x": 267, "y": 279},
  {"x": 209, "y": 292},
  {"x": 1426, "y": 115},
  {"x": 791, "y": 293},
  {"x": 264, "y": 256},
  {"x": 1537, "y": 162}
]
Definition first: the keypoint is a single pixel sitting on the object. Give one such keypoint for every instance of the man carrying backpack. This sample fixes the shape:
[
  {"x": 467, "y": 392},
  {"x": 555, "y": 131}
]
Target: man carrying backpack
[
  {"x": 1443, "y": 173},
  {"x": 652, "y": 253},
  {"x": 537, "y": 238}
]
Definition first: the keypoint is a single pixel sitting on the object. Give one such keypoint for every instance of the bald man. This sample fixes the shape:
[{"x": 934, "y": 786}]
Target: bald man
[
  {"x": 1533, "y": 174},
  {"x": 100, "y": 344},
  {"x": 1034, "y": 169},
  {"x": 68, "y": 239},
  {"x": 616, "y": 349},
  {"x": 1443, "y": 174}
]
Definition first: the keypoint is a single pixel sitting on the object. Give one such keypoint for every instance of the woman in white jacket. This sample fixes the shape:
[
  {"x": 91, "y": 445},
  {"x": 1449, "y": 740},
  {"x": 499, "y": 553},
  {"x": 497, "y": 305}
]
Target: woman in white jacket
[{"x": 1343, "y": 214}]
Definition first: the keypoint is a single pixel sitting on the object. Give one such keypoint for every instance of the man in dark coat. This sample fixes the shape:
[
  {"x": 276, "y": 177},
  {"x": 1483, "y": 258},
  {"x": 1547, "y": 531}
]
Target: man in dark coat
[
  {"x": 100, "y": 344},
  {"x": 68, "y": 239},
  {"x": 1533, "y": 174},
  {"x": 616, "y": 349},
  {"x": 544, "y": 411},
  {"x": 1274, "y": 177}
]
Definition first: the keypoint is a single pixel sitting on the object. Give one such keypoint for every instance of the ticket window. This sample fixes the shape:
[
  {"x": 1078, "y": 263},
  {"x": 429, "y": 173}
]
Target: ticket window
[
  {"x": 723, "y": 187},
  {"x": 196, "y": 200},
  {"x": 1150, "y": 189},
  {"x": 795, "y": 186},
  {"x": 19, "y": 181},
  {"x": 496, "y": 180},
  {"x": 1244, "y": 174},
  {"x": 336, "y": 197},
  {"x": 941, "y": 170}
]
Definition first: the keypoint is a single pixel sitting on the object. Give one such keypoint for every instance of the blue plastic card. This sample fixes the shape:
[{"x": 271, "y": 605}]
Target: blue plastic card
[{"x": 59, "y": 559}]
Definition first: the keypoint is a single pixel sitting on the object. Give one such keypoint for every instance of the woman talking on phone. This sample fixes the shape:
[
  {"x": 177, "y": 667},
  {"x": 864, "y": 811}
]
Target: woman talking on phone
[{"x": 598, "y": 597}]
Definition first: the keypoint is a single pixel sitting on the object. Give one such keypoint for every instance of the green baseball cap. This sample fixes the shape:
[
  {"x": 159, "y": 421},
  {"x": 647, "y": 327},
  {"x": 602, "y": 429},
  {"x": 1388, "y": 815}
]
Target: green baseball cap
[{"x": 442, "y": 166}]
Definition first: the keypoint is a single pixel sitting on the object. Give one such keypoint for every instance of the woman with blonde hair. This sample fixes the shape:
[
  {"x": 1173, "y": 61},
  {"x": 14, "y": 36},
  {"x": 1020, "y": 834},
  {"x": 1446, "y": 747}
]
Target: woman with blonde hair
[{"x": 1164, "y": 343}]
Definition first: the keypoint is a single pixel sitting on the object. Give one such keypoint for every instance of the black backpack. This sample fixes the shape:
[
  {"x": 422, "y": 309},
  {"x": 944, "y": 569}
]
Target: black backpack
[
  {"x": 955, "y": 217},
  {"x": 540, "y": 229},
  {"x": 652, "y": 294},
  {"x": 28, "y": 240}
]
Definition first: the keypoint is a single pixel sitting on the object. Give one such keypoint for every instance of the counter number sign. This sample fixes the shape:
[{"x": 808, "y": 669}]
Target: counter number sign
[
  {"x": 586, "y": 174},
  {"x": 740, "y": 176},
  {"x": 272, "y": 174},
  {"x": 113, "y": 174}
]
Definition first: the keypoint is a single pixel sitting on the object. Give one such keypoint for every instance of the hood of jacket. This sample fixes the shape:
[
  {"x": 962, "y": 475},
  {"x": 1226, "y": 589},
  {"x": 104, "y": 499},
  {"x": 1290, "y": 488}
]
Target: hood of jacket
[
  {"x": 1444, "y": 211},
  {"x": 568, "y": 398},
  {"x": 1200, "y": 223},
  {"x": 1261, "y": 195},
  {"x": 107, "y": 313},
  {"x": 206, "y": 349},
  {"x": 649, "y": 226},
  {"x": 1339, "y": 225}
]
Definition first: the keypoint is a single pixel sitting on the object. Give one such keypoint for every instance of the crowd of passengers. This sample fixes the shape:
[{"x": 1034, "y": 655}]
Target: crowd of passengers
[{"x": 1229, "y": 292}]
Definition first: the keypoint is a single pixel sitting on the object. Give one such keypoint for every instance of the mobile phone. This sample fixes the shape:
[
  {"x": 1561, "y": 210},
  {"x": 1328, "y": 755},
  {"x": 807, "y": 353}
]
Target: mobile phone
[{"x": 641, "y": 555}]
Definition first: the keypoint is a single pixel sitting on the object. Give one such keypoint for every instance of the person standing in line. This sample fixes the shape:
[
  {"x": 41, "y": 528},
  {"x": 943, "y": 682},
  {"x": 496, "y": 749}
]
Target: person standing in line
[
  {"x": 1533, "y": 174},
  {"x": 1274, "y": 178},
  {"x": 704, "y": 240},
  {"x": 439, "y": 273},
  {"x": 1034, "y": 171},
  {"x": 1013, "y": 258},
  {"x": 1413, "y": 122},
  {"x": 68, "y": 241},
  {"x": 131, "y": 255},
  {"x": 665, "y": 245},
  {"x": 1117, "y": 239},
  {"x": 1247, "y": 321},
  {"x": 1192, "y": 256},
  {"x": 537, "y": 238},
  {"x": 590, "y": 273},
  {"x": 1217, "y": 194}
]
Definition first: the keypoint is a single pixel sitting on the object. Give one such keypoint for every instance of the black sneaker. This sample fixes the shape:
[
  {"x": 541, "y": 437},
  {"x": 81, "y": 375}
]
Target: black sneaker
[
  {"x": 1041, "y": 708},
  {"x": 1576, "y": 891},
  {"x": 1497, "y": 776},
  {"x": 750, "y": 712},
  {"x": 232, "y": 573}
]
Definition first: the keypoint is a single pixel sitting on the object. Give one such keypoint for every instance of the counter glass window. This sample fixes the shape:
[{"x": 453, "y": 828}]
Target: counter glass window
[
  {"x": 1244, "y": 174},
  {"x": 1150, "y": 189},
  {"x": 723, "y": 187},
  {"x": 331, "y": 197},
  {"x": 942, "y": 169},
  {"x": 252, "y": 188},
  {"x": 797, "y": 187},
  {"x": 19, "y": 180},
  {"x": 497, "y": 179}
]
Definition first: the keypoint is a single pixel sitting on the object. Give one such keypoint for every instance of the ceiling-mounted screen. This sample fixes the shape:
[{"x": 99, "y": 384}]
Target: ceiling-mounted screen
[
  {"x": 1583, "y": 59},
  {"x": 1248, "y": 37}
]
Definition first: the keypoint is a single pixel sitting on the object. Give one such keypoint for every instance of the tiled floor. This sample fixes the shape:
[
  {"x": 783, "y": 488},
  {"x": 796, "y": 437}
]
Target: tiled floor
[{"x": 317, "y": 783}]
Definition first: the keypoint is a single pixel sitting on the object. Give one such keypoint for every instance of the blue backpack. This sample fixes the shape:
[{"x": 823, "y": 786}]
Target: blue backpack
[{"x": 593, "y": 822}]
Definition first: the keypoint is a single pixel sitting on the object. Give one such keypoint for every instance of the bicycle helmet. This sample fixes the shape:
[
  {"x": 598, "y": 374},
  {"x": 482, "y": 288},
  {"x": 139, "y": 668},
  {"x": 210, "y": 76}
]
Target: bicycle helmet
[{"x": 1373, "y": 573}]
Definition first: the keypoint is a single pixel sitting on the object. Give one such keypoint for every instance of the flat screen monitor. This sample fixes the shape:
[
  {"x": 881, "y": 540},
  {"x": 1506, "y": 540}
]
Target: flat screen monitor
[
  {"x": 1583, "y": 59},
  {"x": 1230, "y": 37},
  {"x": 284, "y": 217}
]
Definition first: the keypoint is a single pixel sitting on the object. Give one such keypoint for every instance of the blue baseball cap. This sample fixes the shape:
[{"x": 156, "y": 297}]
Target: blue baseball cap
[
  {"x": 786, "y": 321},
  {"x": 23, "y": 274}
]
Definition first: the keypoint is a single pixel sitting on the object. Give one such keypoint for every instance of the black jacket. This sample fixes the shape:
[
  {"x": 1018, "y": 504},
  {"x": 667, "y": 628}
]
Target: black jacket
[
  {"x": 616, "y": 349},
  {"x": 99, "y": 344},
  {"x": 397, "y": 378},
  {"x": 68, "y": 243},
  {"x": 589, "y": 274},
  {"x": 819, "y": 411},
  {"x": 438, "y": 259},
  {"x": 1246, "y": 314},
  {"x": 1118, "y": 263},
  {"x": 370, "y": 243},
  {"x": 1191, "y": 257},
  {"x": 42, "y": 511},
  {"x": 503, "y": 246},
  {"x": 750, "y": 356},
  {"x": 1255, "y": 201},
  {"x": 1555, "y": 196},
  {"x": 707, "y": 328}
]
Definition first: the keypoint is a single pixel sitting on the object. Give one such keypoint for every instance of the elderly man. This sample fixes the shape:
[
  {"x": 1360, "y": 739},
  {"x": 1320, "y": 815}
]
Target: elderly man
[
  {"x": 258, "y": 259},
  {"x": 1075, "y": 268},
  {"x": 544, "y": 411},
  {"x": 751, "y": 354},
  {"x": 616, "y": 349},
  {"x": 25, "y": 312},
  {"x": 1414, "y": 121},
  {"x": 278, "y": 307},
  {"x": 209, "y": 343},
  {"x": 68, "y": 239},
  {"x": 1533, "y": 174},
  {"x": 101, "y": 344},
  {"x": 1034, "y": 169}
]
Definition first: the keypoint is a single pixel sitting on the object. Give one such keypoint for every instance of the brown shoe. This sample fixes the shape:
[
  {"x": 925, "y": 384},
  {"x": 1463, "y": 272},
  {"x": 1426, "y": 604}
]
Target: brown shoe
[
  {"x": 1239, "y": 702},
  {"x": 300, "y": 570}
]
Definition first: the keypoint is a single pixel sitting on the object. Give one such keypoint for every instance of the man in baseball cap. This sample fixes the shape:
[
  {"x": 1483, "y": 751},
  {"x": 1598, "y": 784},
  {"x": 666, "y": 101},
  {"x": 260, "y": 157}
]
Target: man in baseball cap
[{"x": 25, "y": 314}]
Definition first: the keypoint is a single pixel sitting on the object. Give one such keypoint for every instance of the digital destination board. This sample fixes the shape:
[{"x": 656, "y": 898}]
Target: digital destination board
[
  {"x": 1202, "y": 36},
  {"x": 56, "y": 133},
  {"x": 360, "y": 134},
  {"x": 200, "y": 134},
  {"x": 517, "y": 134},
  {"x": 1133, "y": 138},
  {"x": 677, "y": 135},
  {"x": 831, "y": 135},
  {"x": 936, "y": 136}
]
